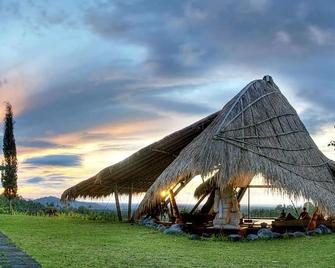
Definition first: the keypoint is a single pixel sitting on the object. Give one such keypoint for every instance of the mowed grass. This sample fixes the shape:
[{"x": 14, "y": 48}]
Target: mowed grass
[{"x": 68, "y": 242}]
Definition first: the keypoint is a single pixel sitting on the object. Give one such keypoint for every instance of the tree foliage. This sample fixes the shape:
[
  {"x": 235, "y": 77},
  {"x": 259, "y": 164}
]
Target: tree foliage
[{"x": 9, "y": 171}]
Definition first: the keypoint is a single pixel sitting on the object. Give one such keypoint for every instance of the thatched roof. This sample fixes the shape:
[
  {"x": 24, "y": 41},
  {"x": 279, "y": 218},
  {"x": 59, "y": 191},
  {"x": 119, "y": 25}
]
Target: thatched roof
[
  {"x": 258, "y": 131},
  {"x": 141, "y": 169}
]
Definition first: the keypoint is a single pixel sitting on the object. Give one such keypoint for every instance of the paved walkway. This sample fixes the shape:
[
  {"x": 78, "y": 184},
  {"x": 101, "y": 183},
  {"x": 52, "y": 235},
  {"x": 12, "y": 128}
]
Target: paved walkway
[{"x": 13, "y": 257}]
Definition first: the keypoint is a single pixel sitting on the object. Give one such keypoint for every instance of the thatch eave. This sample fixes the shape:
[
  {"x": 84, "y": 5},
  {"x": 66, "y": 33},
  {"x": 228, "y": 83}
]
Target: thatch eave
[{"x": 141, "y": 169}]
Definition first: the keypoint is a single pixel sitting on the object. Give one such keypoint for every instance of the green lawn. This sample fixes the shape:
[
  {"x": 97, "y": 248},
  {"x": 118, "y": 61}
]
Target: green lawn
[{"x": 67, "y": 242}]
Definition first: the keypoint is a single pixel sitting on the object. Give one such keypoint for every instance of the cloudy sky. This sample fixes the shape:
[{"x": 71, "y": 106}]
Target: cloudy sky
[{"x": 93, "y": 81}]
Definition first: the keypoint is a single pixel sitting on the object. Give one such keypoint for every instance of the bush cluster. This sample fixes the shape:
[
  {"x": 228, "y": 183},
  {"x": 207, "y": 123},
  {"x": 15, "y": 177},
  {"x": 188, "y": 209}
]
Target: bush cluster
[{"x": 28, "y": 207}]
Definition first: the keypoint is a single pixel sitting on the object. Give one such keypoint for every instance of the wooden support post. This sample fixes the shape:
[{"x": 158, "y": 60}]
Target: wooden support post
[
  {"x": 117, "y": 204},
  {"x": 198, "y": 203},
  {"x": 175, "y": 209},
  {"x": 314, "y": 220},
  {"x": 129, "y": 202},
  {"x": 171, "y": 211}
]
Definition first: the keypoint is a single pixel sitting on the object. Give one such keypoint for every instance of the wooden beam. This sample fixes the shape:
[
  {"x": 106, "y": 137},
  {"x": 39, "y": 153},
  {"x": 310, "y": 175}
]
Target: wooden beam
[
  {"x": 129, "y": 202},
  {"x": 243, "y": 190},
  {"x": 117, "y": 203},
  {"x": 181, "y": 186},
  {"x": 241, "y": 193},
  {"x": 261, "y": 186},
  {"x": 198, "y": 203},
  {"x": 175, "y": 209}
]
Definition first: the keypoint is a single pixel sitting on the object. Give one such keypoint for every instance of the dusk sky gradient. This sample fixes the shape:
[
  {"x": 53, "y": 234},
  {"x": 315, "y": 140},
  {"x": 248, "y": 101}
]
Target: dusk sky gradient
[{"x": 93, "y": 81}]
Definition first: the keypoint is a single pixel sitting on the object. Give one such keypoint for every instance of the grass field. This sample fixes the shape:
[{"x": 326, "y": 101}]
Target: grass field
[{"x": 67, "y": 242}]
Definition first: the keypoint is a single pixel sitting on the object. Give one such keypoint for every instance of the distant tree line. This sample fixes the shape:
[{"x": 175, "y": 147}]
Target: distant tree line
[{"x": 275, "y": 211}]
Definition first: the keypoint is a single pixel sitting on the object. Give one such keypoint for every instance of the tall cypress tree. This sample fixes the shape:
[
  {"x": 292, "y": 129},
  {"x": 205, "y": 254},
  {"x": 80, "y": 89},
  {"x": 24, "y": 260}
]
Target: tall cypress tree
[{"x": 9, "y": 171}]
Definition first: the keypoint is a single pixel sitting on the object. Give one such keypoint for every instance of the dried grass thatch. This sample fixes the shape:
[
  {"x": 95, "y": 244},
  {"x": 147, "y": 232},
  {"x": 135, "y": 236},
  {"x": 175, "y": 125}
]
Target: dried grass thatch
[
  {"x": 258, "y": 131},
  {"x": 140, "y": 170}
]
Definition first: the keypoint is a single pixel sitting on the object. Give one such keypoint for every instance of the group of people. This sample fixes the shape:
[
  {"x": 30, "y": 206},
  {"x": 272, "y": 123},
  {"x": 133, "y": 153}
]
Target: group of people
[{"x": 303, "y": 215}]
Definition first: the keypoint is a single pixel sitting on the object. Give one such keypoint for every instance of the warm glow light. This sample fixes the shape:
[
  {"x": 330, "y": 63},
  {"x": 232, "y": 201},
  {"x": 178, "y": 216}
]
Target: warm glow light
[{"x": 163, "y": 193}]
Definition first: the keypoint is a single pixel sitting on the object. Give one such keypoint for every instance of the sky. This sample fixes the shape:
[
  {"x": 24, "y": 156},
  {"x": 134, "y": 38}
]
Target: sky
[{"x": 91, "y": 82}]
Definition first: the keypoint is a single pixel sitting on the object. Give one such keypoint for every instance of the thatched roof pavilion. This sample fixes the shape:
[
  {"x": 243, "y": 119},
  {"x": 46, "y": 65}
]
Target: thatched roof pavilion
[{"x": 257, "y": 132}]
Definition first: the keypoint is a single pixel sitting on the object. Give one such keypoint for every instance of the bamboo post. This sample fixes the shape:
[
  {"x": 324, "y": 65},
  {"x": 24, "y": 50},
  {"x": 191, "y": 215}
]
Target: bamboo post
[
  {"x": 198, "y": 203},
  {"x": 117, "y": 204},
  {"x": 171, "y": 210},
  {"x": 129, "y": 202},
  {"x": 175, "y": 209},
  {"x": 248, "y": 202}
]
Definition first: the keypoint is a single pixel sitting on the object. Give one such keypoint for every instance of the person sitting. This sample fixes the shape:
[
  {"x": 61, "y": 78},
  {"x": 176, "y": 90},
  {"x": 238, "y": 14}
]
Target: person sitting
[
  {"x": 304, "y": 214},
  {"x": 282, "y": 215}
]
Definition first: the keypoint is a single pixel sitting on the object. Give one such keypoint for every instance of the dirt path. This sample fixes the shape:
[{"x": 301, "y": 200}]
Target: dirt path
[{"x": 12, "y": 256}]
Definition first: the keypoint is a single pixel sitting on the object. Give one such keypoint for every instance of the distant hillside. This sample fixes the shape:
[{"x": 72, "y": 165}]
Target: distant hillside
[{"x": 55, "y": 201}]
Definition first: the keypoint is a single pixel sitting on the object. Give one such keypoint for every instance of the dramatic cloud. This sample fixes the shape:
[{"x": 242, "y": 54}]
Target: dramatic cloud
[
  {"x": 294, "y": 40},
  {"x": 54, "y": 181},
  {"x": 149, "y": 45},
  {"x": 39, "y": 144},
  {"x": 55, "y": 160}
]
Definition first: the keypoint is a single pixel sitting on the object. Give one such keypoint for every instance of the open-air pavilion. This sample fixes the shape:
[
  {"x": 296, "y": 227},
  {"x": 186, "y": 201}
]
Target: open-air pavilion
[{"x": 256, "y": 132}]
